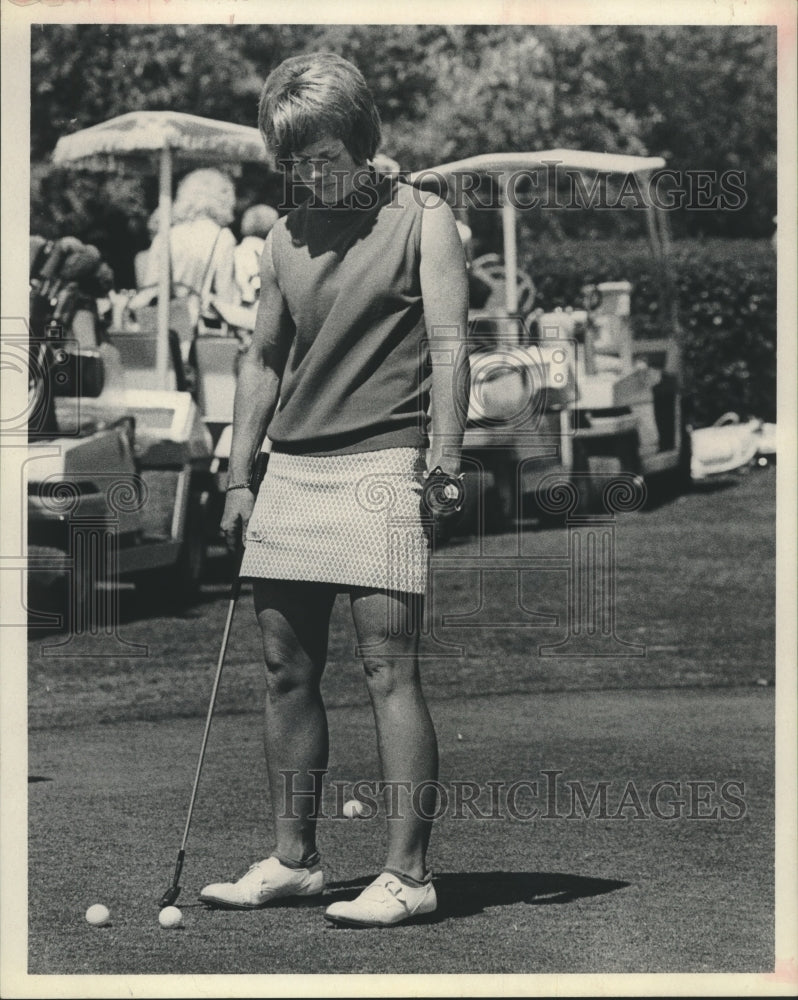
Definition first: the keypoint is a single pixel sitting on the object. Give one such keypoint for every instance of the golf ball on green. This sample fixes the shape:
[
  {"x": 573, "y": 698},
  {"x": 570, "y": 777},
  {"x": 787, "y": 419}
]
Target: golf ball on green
[
  {"x": 170, "y": 917},
  {"x": 98, "y": 915},
  {"x": 353, "y": 809}
]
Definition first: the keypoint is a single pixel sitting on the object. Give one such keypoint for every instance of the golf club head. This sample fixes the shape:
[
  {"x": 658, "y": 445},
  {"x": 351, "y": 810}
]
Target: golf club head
[
  {"x": 104, "y": 278},
  {"x": 63, "y": 248},
  {"x": 170, "y": 896},
  {"x": 173, "y": 891}
]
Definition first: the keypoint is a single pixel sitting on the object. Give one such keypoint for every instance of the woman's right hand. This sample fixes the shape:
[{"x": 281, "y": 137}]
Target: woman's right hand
[{"x": 238, "y": 507}]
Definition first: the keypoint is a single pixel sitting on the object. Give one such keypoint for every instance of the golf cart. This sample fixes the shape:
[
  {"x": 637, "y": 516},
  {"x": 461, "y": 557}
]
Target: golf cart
[
  {"x": 119, "y": 481},
  {"x": 571, "y": 391}
]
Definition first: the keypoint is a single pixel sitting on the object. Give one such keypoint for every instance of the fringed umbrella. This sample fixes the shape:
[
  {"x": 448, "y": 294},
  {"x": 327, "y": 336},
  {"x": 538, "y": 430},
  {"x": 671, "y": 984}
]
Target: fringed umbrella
[{"x": 160, "y": 142}]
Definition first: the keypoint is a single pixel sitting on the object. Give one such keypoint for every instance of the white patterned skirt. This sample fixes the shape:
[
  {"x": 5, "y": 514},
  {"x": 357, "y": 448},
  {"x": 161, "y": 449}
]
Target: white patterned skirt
[{"x": 353, "y": 520}]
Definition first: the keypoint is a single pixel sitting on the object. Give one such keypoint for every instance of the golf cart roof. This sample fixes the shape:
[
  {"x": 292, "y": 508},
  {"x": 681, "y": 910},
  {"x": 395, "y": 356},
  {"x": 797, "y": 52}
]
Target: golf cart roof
[{"x": 575, "y": 159}]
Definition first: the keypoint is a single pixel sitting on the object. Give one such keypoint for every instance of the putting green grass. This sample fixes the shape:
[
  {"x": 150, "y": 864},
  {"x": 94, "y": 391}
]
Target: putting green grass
[{"x": 612, "y": 894}]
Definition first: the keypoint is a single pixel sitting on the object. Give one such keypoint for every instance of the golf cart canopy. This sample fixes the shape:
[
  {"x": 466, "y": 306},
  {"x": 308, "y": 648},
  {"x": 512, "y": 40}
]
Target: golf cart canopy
[
  {"x": 502, "y": 166},
  {"x": 574, "y": 159}
]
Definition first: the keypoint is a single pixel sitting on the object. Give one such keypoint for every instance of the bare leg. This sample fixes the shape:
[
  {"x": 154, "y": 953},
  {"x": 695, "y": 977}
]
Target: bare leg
[
  {"x": 406, "y": 740},
  {"x": 294, "y": 618}
]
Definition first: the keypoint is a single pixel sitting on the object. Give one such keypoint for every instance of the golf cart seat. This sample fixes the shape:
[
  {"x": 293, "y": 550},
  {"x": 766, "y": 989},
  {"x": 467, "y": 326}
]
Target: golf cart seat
[
  {"x": 216, "y": 360},
  {"x": 612, "y": 340}
]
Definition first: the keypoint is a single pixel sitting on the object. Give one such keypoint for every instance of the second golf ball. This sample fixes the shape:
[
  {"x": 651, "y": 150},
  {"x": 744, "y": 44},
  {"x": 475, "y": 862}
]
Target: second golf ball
[
  {"x": 353, "y": 809},
  {"x": 170, "y": 917}
]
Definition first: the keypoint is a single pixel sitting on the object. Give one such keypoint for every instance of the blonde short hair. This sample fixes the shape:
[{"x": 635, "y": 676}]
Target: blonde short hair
[{"x": 205, "y": 194}]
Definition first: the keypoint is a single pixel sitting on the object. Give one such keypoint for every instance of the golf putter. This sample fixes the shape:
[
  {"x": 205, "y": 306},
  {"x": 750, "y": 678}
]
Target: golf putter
[
  {"x": 173, "y": 891},
  {"x": 171, "y": 894}
]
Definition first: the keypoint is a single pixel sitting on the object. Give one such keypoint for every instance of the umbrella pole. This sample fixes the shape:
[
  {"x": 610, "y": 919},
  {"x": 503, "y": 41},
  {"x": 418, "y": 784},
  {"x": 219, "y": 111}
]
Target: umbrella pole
[
  {"x": 510, "y": 250},
  {"x": 164, "y": 282}
]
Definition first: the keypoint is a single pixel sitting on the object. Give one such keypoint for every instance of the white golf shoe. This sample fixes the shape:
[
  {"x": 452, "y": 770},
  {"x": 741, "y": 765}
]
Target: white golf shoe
[
  {"x": 384, "y": 903},
  {"x": 263, "y": 883}
]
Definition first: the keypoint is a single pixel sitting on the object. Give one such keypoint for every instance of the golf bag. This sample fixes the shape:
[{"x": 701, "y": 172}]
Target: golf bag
[{"x": 67, "y": 278}]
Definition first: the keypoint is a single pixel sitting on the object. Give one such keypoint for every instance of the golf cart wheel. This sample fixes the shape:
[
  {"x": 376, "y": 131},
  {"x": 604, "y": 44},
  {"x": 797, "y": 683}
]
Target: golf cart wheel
[
  {"x": 68, "y": 600},
  {"x": 190, "y": 566},
  {"x": 177, "y": 586},
  {"x": 667, "y": 486}
]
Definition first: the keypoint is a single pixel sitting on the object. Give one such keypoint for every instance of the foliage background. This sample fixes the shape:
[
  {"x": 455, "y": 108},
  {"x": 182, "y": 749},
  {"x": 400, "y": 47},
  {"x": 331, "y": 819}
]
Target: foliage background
[{"x": 704, "y": 97}]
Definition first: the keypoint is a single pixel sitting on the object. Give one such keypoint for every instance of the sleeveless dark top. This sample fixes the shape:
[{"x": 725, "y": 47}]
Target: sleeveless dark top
[{"x": 357, "y": 373}]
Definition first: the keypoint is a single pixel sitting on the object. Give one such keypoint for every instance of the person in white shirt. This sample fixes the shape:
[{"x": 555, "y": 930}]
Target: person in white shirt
[
  {"x": 256, "y": 224},
  {"x": 201, "y": 242}
]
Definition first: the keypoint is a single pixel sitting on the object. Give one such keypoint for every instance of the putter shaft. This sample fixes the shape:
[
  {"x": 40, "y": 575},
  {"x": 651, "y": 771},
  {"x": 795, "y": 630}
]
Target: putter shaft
[{"x": 172, "y": 892}]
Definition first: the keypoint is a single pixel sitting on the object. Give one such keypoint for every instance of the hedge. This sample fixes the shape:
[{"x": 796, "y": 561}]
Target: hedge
[{"x": 727, "y": 310}]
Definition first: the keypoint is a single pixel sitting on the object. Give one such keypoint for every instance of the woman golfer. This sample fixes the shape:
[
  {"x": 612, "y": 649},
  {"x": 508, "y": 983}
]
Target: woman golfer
[{"x": 354, "y": 285}]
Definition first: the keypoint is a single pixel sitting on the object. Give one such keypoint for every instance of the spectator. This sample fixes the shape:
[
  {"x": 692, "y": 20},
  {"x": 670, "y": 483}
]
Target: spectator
[
  {"x": 256, "y": 224},
  {"x": 201, "y": 242}
]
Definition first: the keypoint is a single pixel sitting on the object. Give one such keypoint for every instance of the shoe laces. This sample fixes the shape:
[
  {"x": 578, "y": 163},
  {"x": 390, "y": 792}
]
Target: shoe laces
[{"x": 258, "y": 866}]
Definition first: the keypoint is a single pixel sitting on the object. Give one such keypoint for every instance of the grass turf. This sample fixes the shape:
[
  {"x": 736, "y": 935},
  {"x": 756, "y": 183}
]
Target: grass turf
[{"x": 612, "y": 893}]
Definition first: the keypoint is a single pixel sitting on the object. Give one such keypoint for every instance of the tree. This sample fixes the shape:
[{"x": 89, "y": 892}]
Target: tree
[{"x": 706, "y": 100}]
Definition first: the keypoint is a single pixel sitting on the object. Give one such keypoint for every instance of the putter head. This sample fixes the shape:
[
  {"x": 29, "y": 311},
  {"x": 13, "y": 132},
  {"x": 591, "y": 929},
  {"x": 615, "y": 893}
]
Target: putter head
[{"x": 170, "y": 896}]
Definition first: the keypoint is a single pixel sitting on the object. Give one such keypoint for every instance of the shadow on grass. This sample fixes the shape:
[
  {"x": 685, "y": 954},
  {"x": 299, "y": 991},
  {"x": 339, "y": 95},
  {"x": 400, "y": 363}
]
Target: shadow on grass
[
  {"x": 465, "y": 894},
  {"x": 708, "y": 486},
  {"x": 660, "y": 491},
  {"x": 132, "y": 604}
]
